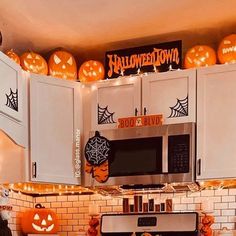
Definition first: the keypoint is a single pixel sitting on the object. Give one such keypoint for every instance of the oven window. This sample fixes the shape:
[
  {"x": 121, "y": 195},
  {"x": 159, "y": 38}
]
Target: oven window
[{"x": 136, "y": 157}]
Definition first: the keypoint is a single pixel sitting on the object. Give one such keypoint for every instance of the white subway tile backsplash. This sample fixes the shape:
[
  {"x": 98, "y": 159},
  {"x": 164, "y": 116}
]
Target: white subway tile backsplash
[
  {"x": 221, "y": 206},
  {"x": 228, "y": 198},
  {"x": 222, "y": 192}
]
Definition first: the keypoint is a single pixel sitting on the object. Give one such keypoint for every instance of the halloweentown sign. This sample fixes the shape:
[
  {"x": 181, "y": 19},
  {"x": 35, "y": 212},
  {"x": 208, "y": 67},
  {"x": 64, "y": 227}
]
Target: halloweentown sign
[{"x": 158, "y": 57}]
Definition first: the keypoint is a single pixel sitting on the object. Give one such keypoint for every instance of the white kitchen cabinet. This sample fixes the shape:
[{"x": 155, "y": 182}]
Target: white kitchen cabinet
[
  {"x": 216, "y": 122},
  {"x": 56, "y": 127},
  {"x": 113, "y": 99},
  {"x": 13, "y": 100},
  {"x": 172, "y": 94}
]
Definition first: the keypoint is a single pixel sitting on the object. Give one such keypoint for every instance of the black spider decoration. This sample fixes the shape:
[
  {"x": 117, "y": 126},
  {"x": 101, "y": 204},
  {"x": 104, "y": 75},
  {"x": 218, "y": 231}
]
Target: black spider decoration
[
  {"x": 180, "y": 108},
  {"x": 12, "y": 100},
  {"x": 104, "y": 116},
  {"x": 97, "y": 150}
]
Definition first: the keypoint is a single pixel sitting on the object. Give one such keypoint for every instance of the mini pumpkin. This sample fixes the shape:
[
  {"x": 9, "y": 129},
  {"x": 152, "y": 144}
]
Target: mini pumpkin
[
  {"x": 13, "y": 56},
  {"x": 62, "y": 65},
  {"x": 200, "y": 55},
  {"x": 227, "y": 49},
  {"x": 91, "y": 71},
  {"x": 39, "y": 221},
  {"x": 33, "y": 62}
]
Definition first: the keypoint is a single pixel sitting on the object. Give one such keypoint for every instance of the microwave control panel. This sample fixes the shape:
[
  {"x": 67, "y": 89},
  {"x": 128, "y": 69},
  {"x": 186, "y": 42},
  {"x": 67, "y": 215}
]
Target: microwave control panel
[{"x": 178, "y": 153}]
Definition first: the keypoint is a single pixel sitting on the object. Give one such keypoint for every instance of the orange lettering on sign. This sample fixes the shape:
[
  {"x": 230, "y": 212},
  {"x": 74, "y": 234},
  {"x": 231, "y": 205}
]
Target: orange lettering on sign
[{"x": 140, "y": 121}]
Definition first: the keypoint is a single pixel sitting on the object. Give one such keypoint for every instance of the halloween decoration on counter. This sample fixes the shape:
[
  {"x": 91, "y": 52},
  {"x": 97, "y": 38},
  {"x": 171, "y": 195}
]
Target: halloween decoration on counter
[
  {"x": 93, "y": 223},
  {"x": 62, "y": 65},
  {"x": 91, "y": 71},
  {"x": 4, "y": 229},
  {"x": 33, "y": 62},
  {"x": 199, "y": 55},
  {"x": 227, "y": 49},
  {"x": 5, "y": 208},
  {"x": 97, "y": 152},
  {"x": 39, "y": 221},
  {"x": 11, "y": 54},
  {"x": 207, "y": 221}
]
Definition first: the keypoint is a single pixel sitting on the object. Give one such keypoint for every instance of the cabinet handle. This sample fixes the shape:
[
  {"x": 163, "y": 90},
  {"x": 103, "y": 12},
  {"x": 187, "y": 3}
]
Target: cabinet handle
[
  {"x": 34, "y": 169},
  {"x": 145, "y": 111},
  {"x": 199, "y": 167},
  {"x": 136, "y": 112}
]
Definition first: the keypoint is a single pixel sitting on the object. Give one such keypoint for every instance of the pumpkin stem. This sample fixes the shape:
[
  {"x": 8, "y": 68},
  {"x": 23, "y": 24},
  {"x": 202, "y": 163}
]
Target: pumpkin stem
[{"x": 39, "y": 206}]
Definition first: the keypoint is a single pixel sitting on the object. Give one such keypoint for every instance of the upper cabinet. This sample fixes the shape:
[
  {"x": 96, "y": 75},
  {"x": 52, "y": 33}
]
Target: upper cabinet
[
  {"x": 216, "y": 122},
  {"x": 56, "y": 128},
  {"x": 113, "y": 99},
  {"x": 172, "y": 94},
  {"x": 13, "y": 101}
]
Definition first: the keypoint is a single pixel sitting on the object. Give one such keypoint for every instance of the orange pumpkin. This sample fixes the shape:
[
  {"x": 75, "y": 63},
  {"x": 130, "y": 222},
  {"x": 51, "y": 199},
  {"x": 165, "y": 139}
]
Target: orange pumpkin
[
  {"x": 91, "y": 71},
  {"x": 200, "y": 55},
  {"x": 62, "y": 65},
  {"x": 39, "y": 221},
  {"x": 13, "y": 56},
  {"x": 227, "y": 49},
  {"x": 33, "y": 62}
]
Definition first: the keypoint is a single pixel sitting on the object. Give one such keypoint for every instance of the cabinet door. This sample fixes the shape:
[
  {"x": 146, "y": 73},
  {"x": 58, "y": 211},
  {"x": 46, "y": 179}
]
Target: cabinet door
[
  {"x": 172, "y": 94},
  {"x": 55, "y": 109},
  {"x": 113, "y": 99},
  {"x": 13, "y": 100},
  {"x": 216, "y": 122}
]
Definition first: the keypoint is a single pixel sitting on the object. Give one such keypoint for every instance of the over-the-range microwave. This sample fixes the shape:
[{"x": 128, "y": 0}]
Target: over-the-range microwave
[{"x": 149, "y": 155}]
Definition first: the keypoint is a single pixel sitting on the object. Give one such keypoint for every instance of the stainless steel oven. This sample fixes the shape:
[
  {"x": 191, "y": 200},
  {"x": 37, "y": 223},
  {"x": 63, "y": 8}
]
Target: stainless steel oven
[{"x": 149, "y": 155}]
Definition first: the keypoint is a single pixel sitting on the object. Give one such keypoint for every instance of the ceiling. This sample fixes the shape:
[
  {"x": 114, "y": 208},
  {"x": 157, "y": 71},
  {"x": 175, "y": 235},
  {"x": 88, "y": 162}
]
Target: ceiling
[{"x": 87, "y": 27}]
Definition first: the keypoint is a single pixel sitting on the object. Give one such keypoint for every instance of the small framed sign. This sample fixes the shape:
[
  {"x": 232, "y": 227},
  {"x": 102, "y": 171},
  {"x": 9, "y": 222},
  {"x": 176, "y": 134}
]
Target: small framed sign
[
  {"x": 158, "y": 57},
  {"x": 140, "y": 121}
]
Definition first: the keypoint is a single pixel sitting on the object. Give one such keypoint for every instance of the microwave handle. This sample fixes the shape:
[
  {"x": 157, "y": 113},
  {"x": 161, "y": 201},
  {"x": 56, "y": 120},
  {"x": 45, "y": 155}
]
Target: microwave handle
[{"x": 199, "y": 167}]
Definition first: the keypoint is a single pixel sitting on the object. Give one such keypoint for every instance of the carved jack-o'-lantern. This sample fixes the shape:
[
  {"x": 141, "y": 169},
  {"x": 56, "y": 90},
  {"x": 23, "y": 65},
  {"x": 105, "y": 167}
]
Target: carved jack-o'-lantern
[
  {"x": 13, "y": 56},
  {"x": 200, "y": 55},
  {"x": 91, "y": 71},
  {"x": 62, "y": 65},
  {"x": 227, "y": 49},
  {"x": 39, "y": 221},
  {"x": 33, "y": 62}
]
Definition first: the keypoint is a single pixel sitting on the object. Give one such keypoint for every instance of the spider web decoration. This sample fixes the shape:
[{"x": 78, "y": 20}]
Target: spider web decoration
[
  {"x": 104, "y": 116},
  {"x": 180, "y": 108},
  {"x": 97, "y": 150},
  {"x": 12, "y": 100}
]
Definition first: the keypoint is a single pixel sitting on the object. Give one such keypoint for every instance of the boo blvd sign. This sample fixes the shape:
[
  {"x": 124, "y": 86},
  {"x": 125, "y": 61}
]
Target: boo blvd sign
[{"x": 146, "y": 58}]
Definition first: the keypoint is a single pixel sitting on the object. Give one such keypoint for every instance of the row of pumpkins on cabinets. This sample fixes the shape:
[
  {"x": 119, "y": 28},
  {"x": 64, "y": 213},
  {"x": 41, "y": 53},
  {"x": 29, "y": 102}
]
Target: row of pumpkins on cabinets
[{"x": 61, "y": 64}]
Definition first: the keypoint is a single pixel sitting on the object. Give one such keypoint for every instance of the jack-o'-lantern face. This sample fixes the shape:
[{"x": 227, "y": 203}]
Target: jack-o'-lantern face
[
  {"x": 39, "y": 220},
  {"x": 200, "y": 55},
  {"x": 33, "y": 62},
  {"x": 62, "y": 65},
  {"x": 91, "y": 71},
  {"x": 13, "y": 56},
  {"x": 227, "y": 49}
]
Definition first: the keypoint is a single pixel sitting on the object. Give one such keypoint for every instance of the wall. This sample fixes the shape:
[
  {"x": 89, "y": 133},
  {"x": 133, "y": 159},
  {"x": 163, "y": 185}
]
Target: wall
[{"x": 73, "y": 210}]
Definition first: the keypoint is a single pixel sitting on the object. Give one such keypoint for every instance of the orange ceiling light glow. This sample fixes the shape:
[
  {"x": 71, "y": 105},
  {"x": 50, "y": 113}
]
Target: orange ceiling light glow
[
  {"x": 227, "y": 49},
  {"x": 200, "y": 55}
]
